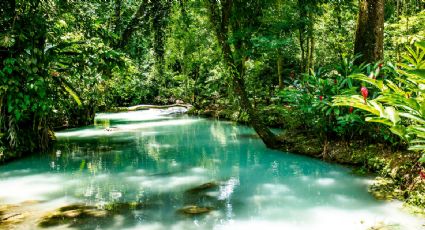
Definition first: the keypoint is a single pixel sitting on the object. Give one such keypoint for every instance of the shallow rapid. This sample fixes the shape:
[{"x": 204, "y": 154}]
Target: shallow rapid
[{"x": 180, "y": 172}]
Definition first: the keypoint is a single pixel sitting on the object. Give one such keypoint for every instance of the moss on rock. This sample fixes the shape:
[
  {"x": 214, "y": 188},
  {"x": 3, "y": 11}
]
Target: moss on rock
[
  {"x": 75, "y": 214},
  {"x": 194, "y": 210}
]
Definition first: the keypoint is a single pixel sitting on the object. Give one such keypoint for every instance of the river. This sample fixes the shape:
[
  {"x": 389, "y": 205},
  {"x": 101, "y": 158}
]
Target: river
[{"x": 158, "y": 168}]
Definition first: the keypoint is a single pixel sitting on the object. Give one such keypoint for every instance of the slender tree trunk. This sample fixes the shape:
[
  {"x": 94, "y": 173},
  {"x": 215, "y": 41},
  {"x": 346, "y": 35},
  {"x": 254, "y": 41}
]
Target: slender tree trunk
[
  {"x": 280, "y": 70},
  {"x": 303, "y": 15},
  {"x": 311, "y": 42},
  {"x": 302, "y": 64},
  {"x": 370, "y": 31},
  {"x": 339, "y": 24},
  {"x": 221, "y": 23},
  {"x": 307, "y": 56},
  {"x": 397, "y": 45},
  {"x": 311, "y": 57}
]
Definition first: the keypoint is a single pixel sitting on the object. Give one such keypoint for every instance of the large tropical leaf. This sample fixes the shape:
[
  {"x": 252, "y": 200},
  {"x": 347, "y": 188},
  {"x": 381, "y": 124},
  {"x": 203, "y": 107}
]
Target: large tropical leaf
[
  {"x": 377, "y": 83},
  {"x": 357, "y": 102}
]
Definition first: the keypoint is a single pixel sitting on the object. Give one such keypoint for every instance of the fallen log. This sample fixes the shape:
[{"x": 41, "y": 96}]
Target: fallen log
[{"x": 146, "y": 107}]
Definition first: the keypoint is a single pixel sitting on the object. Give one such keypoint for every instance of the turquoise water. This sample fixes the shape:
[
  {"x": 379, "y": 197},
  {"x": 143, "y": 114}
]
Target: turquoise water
[{"x": 152, "y": 158}]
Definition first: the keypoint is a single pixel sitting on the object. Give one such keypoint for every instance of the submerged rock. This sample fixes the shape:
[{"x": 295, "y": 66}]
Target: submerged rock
[
  {"x": 195, "y": 210},
  {"x": 11, "y": 216},
  {"x": 383, "y": 226},
  {"x": 6, "y": 207},
  {"x": 75, "y": 213},
  {"x": 248, "y": 136},
  {"x": 30, "y": 202},
  {"x": 121, "y": 207},
  {"x": 203, "y": 187},
  {"x": 80, "y": 214},
  {"x": 110, "y": 129},
  {"x": 202, "y": 199},
  {"x": 11, "y": 219}
]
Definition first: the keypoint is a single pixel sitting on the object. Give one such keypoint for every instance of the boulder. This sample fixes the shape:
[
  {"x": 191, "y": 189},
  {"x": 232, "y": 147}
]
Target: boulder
[{"x": 194, "y": 210}]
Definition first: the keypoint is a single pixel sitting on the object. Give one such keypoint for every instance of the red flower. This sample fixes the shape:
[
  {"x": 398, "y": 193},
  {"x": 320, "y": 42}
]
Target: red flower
[
  {"x": 55, "y": 74},
  {"x": 380, "y": 65},
  {"x": 365, "y": 93},
  {"x": 422, "y": 174},
  {"x": 351, "y": 109},
  {"x": 321, "y": 98}
]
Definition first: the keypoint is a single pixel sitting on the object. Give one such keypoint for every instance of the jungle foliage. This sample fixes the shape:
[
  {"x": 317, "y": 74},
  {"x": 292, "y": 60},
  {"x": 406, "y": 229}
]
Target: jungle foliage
[{"x": 266, "y": 62}]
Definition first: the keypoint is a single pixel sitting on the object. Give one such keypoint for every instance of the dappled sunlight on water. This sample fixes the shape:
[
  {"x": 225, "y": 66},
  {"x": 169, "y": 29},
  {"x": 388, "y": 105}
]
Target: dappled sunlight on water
[{"x": 167, "y": 163}]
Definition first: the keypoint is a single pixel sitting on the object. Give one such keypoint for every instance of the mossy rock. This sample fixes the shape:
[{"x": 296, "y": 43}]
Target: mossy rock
[
  {"x": 194, "y": 210},
  {"x": 8, "y": 221},
  {"x": 30, "y": 202},
  {"x": 121, "y": 207},
  {"x": 385, "y": 189},
  {"x": 383, "y": 226},
  {"x": 75, "y": 213},
  {"x": 12, "y": 215},
  {"x": 76, "y": 207},
  {"x": 6, "y": 207}
]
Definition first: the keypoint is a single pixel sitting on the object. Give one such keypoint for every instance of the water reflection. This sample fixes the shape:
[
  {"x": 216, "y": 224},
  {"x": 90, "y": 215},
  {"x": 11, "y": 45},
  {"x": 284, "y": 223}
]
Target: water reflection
[{"x": 153, "y": 160}]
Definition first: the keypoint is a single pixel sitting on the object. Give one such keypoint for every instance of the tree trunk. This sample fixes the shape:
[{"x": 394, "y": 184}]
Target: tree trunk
[
  {"x": 221, "y": 23},
  {"x": 311, "y": 56},
  {"x": 339, "y": 23},
  {"x": 307, "y": 56},
  {"x": 310, "y": 42},
  {"x": 370, "y": 31},
  {"x": 280, "y": 70},
  {"x": 135, "y": 21},
  {"x": 303, "y": 62},
  {"x": 303, "y": 16}
]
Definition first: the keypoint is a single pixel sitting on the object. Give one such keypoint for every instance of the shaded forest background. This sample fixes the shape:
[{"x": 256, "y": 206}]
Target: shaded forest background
[{"x": 267, "y": 63}]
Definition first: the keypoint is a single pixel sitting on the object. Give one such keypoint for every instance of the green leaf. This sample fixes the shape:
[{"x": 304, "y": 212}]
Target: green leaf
[
  {"x": 73, "y": 94},
  {"x": 421, "y": 45},
  {"x": 355, "y": 101},
  {"x": 417, "y": 148},
  {"x": 399, "y": 130},
  {"x": 394, "y": 87},
  {"x": 381, "y": 120},
  {"x": 412, "y": 117},
  {"x": 392, "y": 114},
  {"x": 379, "y": 107},
  {"x": 377, "y": 83},
  {"x": 422, "y": 159}
]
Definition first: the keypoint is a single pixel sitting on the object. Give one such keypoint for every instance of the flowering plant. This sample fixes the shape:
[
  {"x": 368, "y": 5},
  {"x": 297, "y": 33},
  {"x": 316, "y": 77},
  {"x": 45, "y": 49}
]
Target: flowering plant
[{"x": 400, "y": 104}]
